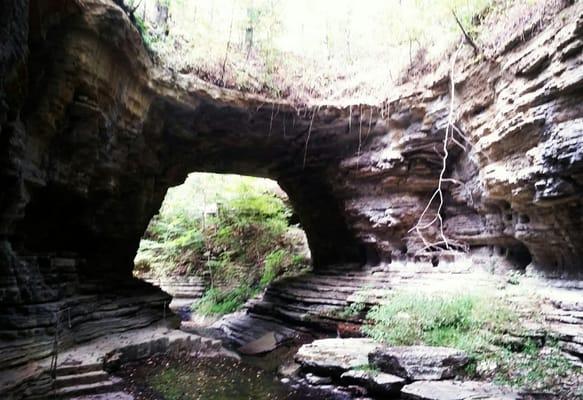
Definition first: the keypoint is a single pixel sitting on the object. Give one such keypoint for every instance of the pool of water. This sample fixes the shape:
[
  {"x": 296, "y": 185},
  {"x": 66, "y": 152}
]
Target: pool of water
[{"x": 163, "y": 378}]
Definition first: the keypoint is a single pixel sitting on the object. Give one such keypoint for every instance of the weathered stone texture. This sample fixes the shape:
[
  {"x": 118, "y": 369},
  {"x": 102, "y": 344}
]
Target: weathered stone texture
[{"x": 92, "y": 135}]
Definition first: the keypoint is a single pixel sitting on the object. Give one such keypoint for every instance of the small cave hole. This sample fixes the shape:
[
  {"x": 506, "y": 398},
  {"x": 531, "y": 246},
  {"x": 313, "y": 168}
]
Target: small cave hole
[
  {"x": 479, "y": 109},
  {"x": 519, "y": 256},
  {"x": 523, "y": 219},
  {"x": 372, "y": 255}
]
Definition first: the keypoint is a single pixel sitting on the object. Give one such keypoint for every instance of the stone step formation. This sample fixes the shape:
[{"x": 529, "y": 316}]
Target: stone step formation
[
  {"x": 83, "y": 369},
  {"x": 319, "y": 303},
  {"x": 185, "y": 291},
  {"x": 80, "y": 380},
  {"x": 84, "y": 384}
]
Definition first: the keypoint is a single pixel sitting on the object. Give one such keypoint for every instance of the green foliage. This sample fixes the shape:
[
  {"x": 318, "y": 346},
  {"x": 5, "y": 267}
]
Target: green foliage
[
  {"x": 308, "y": 50},
  {"x": 219, "y": 302},
  {"x": 170, "y": 243},
  {"x": 273, "y": 265},
  {"x": 371, "y": 369},
  {"x": 353, "y": 310},
  {"x": 250, "y": 226},
  {"x": 239, "y": 247},
  {"x": 475, "y": 323},
  {"x": 534, "y": 367},
  {"x": 144, "y": 32},
  {"x": 442, "y": 320}
]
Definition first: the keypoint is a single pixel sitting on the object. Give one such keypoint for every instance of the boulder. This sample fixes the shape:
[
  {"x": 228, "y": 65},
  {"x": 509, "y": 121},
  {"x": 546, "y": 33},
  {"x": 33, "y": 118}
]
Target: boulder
[
  {"x": 450, "y": 390},
  {"x": 375, "y": 382},
  {"x": 335, "y": 356},
  {"x": 419, "y": 362},
  {"x": 318, "y": 380}
]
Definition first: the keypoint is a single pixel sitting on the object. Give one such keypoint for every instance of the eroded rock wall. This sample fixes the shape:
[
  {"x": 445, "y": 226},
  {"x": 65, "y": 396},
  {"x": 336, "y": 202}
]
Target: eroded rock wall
[
  {"x": 93, "y": 134},
  {"x": 514, "y": 172},
  {"x": 92, "y": 137}
]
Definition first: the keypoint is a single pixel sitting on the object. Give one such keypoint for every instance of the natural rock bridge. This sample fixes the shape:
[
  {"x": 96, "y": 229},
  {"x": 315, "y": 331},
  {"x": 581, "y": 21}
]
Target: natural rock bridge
[{"x": 93, "y": 134}]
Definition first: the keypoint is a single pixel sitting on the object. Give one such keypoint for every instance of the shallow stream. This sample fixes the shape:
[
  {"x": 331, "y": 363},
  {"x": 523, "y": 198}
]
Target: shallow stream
[{"x": 163, "y": 378}]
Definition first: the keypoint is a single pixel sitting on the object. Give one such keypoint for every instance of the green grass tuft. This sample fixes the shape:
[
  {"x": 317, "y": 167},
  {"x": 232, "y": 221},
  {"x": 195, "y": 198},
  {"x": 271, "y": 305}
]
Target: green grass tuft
[
  {"x": 478, "y": 323},
  {"x": 443, "y": 320}
]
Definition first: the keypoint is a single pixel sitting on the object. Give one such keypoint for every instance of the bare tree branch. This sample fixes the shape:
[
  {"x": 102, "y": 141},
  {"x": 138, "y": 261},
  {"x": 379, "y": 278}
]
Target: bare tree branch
[{"x": 466, "y": 35}]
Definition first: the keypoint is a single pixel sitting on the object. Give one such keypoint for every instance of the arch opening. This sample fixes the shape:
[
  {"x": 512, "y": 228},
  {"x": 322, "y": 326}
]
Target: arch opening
[{"x": 222, "y": 238}]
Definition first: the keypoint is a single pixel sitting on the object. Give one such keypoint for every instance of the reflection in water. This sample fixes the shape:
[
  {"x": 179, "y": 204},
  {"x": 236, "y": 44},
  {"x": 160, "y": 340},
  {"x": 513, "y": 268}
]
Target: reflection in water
[{"x": 211, "y": 379}]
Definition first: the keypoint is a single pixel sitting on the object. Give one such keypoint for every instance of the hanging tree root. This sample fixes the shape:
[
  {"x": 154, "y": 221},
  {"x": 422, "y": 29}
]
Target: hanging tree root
[
  {"x": 359, "y": 137},
  {"x": 314, "y": 112},
  {"x": 362, "y": 139},
  {"x": 420, "y": 226}
]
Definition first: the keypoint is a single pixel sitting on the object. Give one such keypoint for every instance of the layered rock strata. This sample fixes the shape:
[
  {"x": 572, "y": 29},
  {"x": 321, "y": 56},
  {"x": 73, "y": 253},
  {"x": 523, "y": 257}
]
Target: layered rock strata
[
  {"x": 415, "y": 372},
  {"x": 92, "y": 135},
  {"x": 185, "y": 291},
  {"x": 335, "y": 301},
  {"x": 84, "y": 369}
]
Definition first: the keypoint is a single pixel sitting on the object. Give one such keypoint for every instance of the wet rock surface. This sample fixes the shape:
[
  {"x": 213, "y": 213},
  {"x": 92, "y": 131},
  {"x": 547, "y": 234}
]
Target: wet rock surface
[
  {"x": 374, "y": 381},
  {"x": 449, "y": 390}
]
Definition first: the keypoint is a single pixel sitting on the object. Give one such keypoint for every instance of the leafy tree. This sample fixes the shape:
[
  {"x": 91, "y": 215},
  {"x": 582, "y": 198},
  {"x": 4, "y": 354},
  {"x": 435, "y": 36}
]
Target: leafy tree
[{"x": 230, "y": 230}]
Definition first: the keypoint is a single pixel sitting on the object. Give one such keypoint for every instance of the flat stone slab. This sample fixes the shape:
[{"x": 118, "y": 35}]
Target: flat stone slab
[
  {"x": 335, "y": 356},
  {"x": 264, "y": 344},
  {"x": 318, "y": 380},
  {"x": 377, "y": 382},
  {"x": 450, "y": 390},
  {"x": 418, "y": 363},
  {"x": 106, "y": 396}
]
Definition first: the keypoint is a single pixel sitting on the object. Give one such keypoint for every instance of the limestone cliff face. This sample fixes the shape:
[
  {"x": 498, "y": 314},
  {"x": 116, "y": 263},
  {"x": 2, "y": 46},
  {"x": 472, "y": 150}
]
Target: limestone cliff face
[
  {"x": 517, "y": 184},
  {"x": 92, "y": 135}
]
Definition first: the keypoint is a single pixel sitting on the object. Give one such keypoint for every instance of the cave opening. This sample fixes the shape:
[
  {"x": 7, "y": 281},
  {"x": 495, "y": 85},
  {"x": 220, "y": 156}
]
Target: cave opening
[
  {"x": 219, "y": 240},
  {"x": 519, "y": 255}
]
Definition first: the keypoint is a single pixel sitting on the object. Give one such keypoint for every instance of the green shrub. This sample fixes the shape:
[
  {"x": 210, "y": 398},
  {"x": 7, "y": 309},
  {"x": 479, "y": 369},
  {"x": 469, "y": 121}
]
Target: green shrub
[
  {"x": 353, "y": 310},
  {"x": 218, "y": 302},
  {"x": 168, "y": 244},
  {"x": 476, "y": 323},
  {"x": 251, "y": 225},
  {"x": 245, "y": 241},
  {"x": 273, "y": 266},
  {"x": 442, "y": 320},
  {"x": 534, "y": 368}
]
